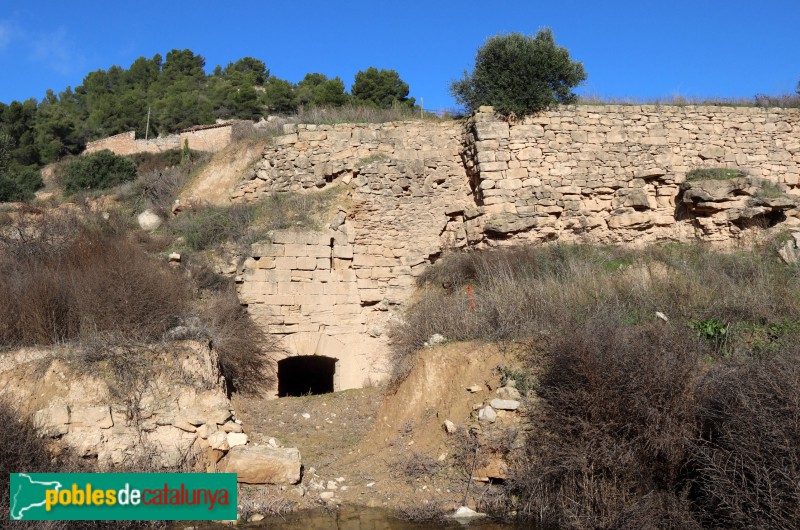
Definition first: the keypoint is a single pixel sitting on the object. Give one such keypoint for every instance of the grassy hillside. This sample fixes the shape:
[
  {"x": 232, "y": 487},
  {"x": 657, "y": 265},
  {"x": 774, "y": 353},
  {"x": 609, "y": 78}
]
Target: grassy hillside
[{"x": 665, "y": 382}]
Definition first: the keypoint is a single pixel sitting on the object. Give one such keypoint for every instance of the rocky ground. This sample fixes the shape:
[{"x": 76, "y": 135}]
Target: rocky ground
[{"x": 390, "y": 447}]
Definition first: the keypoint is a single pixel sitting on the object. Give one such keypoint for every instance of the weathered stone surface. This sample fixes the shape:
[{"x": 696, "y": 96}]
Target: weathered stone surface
[
  {"x": 99, "y": 416},
  {"x": 487, "y": 414},
  {"x": 604, "y": 174},
  {"x": 505, "y": 404},
  {"x": 149, "y": 220},
  {"x": 52, "y": 421},
  {"x": 507, "y": 223},
  {"x": 262, "y": 464}
]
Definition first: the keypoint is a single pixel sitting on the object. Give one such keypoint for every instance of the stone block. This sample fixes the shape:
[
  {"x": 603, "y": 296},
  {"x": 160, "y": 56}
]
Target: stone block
[
  {"x": 306, "y": 263},
  {"x": 286, "y": 263},
  {"x": 296, "y": 250},
  {"x": 343, "y": 251},
  {"x": 99, "y": 416},
  {"x": 491, "y": 130},
  {"x": 517, "y": 173},
  {"x": 493, "y": 166},
  {"x": 266, "y": 249},
  {"x": 286, "y": 139},
  {"x": 342, "y": 264},
  {"x": 302, "y": 237},
  {"x": 370, "y": 295},
  {"x": 262, "y": 464},
  {"x": 275, "y": 276},
  {"x": 321, "y": 275},
  {"x": 52, "y": 421},
  {"x": 280, "y": 299}
]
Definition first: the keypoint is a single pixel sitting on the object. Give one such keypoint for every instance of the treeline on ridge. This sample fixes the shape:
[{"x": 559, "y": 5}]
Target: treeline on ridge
[{"x": 179, "y": 94}]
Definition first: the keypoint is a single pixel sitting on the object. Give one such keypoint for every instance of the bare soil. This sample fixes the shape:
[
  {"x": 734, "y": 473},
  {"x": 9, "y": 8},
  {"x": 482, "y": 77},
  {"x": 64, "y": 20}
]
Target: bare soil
[
  {"x": 216, "y": 181},
  {"x": 388, "y": 444}
]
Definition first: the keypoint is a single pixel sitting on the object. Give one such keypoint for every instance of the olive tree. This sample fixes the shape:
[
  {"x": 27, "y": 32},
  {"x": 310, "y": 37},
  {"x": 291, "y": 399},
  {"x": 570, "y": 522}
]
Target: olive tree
[{"x": 518, "y": 74}]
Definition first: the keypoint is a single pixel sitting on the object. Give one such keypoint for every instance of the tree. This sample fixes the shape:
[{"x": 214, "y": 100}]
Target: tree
[
  {"x": 17, "y": 183},
  {"x": 317, "y": 90},
  {"x": 279, "y": 95},
  {"x": 381, "y": 88},
  {"x": 519, "y": 74}
]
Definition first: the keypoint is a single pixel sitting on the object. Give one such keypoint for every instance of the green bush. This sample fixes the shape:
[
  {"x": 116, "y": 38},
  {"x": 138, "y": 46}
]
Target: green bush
[
  {"x": 98, "y": 171},
  {"x": 520, "y": 75},
  {"x": 19, "y": 183},
  {"x": 714, "y": 173}
]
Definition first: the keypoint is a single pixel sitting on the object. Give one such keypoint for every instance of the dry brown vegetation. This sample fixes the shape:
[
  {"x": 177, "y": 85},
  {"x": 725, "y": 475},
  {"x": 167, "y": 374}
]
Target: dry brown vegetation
[
  {"x": 74, "y": 277},
  {"x": 639, "y": 422},
  {"x": 65, "y": 279}
]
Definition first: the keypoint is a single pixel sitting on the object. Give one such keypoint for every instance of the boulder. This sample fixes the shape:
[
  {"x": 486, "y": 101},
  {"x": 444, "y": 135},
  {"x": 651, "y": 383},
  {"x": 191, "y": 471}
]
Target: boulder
[
  {"x": 487, "y": 414},
  {"x": 236, "y": 438},
  {"x": 505, "y": 404},
  {"x": 218, "y": 441},
  {"x": 508, "y": 392},
  {"x": 149, "y": 220},
  {"x": 262, "y": 464}
]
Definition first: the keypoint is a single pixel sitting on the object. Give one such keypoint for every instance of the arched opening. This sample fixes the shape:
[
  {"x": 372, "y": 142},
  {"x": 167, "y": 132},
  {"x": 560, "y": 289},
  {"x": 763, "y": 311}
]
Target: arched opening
[{"x": 305, "y": 374}]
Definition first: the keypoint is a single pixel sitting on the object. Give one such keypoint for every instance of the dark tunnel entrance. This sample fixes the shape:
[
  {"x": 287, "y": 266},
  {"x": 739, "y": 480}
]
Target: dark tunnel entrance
[{"x": 305, "y": 374}]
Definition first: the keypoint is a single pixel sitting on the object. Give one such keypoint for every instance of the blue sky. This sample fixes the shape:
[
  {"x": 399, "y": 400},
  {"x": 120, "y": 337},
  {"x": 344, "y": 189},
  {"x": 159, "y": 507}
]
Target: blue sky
[{"x": 643, "y": 49}]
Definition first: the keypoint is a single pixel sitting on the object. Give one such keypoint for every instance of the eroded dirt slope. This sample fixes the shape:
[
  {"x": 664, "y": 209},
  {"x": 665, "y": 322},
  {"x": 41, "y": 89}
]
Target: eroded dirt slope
[
  {"x": 217, "y": 180},
  {"x": 389, "y": 445}
]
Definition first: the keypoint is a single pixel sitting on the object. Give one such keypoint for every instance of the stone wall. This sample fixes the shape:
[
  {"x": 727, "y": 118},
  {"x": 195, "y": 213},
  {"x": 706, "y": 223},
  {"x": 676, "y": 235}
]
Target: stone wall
[
  {"x": 127, "y": 144},
  {"x": 602, "y": 174},
  {"x": 210, "y": 138},
  {"x": 613, "y": 173},
  {"x": 214, "y": 138},
  {"x": 332, "y": 292}
]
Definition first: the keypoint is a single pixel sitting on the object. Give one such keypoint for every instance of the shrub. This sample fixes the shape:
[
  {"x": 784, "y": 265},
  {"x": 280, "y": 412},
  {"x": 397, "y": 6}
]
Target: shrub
[
  {"x": 638, "y": 422},
  {"x": 245, "y": 350},
  {"x": 97, "y": 171},
  {"x": 616, "y": 411},
  {"x": 714, "y": 173},
  {"x": 746, "y": 458},
  {"x": 146, "y": 162},
  {"x": 18, "y": 183},
  {"x": 65, "y": 279},
  {"x": 520, "y": 75},
  {"x": 204, "y": 227}
]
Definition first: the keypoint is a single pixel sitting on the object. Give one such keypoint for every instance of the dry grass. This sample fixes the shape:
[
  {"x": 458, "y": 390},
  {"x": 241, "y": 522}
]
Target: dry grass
[
  {"x": 66, "y": 280},
  {"x": 245, "y": 350},
  {"x": 759, "y": 100},
  {"x": 358, "y": 114},
  {"x": 641, "y": 422}
]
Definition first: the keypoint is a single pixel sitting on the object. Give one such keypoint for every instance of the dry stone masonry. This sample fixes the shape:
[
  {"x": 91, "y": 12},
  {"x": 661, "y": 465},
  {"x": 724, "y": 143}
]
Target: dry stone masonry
[
  {"x": 174, "y": 413},
  {"x": 604, "y": 174},
  {"x": 209, "y": 138}
]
